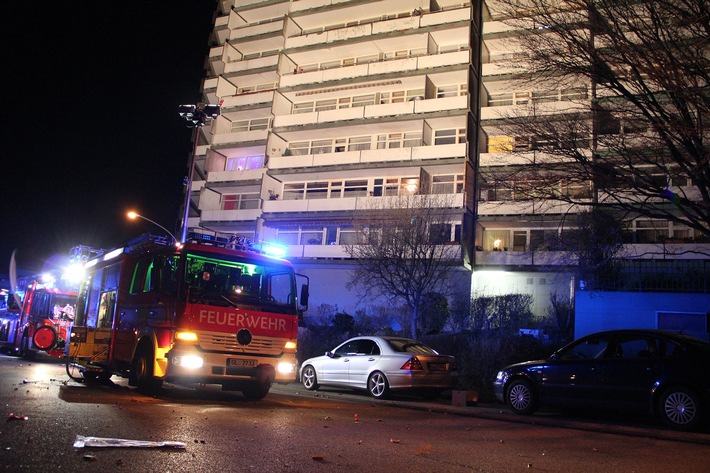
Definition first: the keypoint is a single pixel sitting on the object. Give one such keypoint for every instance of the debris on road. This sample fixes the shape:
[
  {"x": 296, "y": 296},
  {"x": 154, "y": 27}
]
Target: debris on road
[
  {"x": 12, "y": 416},
  {"x": 81, "y": 442}
]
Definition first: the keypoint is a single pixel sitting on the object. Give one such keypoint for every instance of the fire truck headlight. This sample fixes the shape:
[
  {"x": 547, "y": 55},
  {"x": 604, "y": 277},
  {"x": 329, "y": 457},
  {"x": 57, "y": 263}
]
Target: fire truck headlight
[
  {"x": 290, "y": 345},
  {"x": 186, "y": 336},
  {"x": 286, "y": 368},
  {"x": 188, "y": 361}
]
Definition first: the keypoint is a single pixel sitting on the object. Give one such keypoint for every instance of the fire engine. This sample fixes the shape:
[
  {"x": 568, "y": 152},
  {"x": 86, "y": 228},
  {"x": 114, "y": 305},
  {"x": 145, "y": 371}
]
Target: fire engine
[
  {"x": 43, "y": 322},
  {"x": 209, "y": 311}
]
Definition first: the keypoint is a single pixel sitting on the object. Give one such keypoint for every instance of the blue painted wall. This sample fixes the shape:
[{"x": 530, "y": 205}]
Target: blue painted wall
[{"x": 597, "y": 311}]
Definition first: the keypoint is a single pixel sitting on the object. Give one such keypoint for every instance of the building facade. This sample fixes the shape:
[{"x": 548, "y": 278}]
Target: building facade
[{"x": 327, "y": 105}]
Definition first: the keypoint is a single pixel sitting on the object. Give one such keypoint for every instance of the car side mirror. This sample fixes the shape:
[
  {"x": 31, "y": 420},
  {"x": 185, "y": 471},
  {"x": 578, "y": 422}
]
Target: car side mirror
[{"x": 330, "y": 354}]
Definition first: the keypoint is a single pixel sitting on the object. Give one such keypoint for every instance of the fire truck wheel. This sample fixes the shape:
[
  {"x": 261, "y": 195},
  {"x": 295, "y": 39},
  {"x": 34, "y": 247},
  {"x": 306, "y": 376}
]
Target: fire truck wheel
[
  {"x": 45, "y": 337},
  {"x": 142, "y": 370},
  {"x": 25, "y": 351},
  {"x": 257, "y": 391}
]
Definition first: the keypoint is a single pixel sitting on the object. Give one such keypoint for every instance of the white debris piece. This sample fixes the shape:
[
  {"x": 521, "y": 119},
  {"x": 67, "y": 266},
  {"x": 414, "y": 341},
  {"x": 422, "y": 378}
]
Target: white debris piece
[{"x": 81, "y": 442}]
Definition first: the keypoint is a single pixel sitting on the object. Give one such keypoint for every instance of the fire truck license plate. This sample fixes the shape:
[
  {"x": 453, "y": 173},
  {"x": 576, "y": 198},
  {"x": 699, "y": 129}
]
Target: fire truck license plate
[{"x": 236, "y": 362}]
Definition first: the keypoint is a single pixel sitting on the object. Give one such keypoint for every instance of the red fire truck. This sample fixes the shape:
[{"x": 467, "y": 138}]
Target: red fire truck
[
  {"x": 198, "y": 313},
  {"x": 43, "y": 322}
]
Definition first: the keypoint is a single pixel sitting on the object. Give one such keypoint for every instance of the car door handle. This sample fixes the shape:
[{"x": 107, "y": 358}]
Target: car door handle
[{"x": 370, "y": 359}]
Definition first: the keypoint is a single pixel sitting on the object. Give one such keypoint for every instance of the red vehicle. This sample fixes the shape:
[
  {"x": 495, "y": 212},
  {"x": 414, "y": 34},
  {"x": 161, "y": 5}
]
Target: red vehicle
[
  {"x": 43, "y": 323},
  {"x": 200, "y": 313}
]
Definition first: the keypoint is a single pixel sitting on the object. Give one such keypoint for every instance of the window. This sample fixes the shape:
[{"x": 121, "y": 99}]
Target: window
[
  {"x": 447, "y": 184},
  {"x": 451, "y": 136},
  {"x": 311, "y": 235},
  {"x": 317, "y": 190},
  {"x": 589, "y": 349},
  {"x": 245, "y": 162},
  {"x": 359, "y": 143},
  {"x": 399, "y": 140},
  {"x": 250, "y": 125},
  {"x": 451, "y": 90},
  {"x": 240, "y": 201},
  {"x": 440, "y": 233}
]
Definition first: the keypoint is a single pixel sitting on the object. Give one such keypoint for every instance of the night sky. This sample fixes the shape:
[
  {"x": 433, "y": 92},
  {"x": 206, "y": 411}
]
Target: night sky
[{"x": 90, "y": 124}]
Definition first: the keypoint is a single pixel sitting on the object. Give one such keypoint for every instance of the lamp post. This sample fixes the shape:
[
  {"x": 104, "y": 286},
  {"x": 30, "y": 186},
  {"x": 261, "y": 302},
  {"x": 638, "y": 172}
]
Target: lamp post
[
  {"x": 195, "y": 116},
  {"x": 133, "y": 215}
]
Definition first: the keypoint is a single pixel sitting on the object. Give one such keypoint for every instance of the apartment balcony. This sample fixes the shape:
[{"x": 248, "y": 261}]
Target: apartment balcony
[
  {"x": 243, "y": 100},
  {"x": 671, "y": 249},
  {"x": 418, "y": 63},
  {"x": 530, "y": 109},
  {"x": 221, "y": 28},
  {"x": 344, "y": 204},
  {"x": 497, "y": 28},
  {"x": 378, "y": 27},
  {"x": 524, "y": 258},
  {"x": 230, "y": 215},
  {"x": 398, "y": 155},
  {"x": 331, "y": 251},
  {"x": 505, "y": 208},
  {"x": 265, "y": 62},
  {"x": 512, "y": 158},
  {"x": 502, "y": 68},
  {"x": 271, "y": 27},
  {"x": 240, "y": 137},
  {"x": 316, "y": 251},
  {"x": 236, "y": 176},
  {"x": 373, "y": 111}
]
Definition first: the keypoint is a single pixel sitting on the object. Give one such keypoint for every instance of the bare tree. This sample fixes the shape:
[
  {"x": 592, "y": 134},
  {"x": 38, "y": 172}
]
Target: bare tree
[
  {"x": 404, "y": 250},
  {"x": 633, "y": 136}
]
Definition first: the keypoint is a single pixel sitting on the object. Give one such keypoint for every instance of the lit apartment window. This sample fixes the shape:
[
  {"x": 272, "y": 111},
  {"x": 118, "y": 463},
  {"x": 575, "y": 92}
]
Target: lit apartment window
[
  {"x": 245, "y": 162},
  {"x": 239, "y": 201}
]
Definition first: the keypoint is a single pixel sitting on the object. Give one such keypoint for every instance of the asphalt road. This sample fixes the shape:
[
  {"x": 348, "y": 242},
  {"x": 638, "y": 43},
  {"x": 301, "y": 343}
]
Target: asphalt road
[{"x": 294, "y": 430}]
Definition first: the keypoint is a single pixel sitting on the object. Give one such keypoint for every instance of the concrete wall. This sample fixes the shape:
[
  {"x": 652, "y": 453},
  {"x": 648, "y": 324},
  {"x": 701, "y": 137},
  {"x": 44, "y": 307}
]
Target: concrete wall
[{"x": 597, "y": 311}]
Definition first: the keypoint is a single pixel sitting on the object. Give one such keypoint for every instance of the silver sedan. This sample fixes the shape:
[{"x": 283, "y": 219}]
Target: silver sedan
[{"x": 381, "y": 365}]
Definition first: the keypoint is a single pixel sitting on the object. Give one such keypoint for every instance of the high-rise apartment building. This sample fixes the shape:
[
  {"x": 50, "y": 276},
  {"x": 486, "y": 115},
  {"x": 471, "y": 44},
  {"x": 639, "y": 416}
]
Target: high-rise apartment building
[{"x": 328, "y": 105}]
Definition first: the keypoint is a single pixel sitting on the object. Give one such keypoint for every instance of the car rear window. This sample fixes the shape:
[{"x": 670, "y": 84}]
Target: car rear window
[{"x": 410, "y": 346}]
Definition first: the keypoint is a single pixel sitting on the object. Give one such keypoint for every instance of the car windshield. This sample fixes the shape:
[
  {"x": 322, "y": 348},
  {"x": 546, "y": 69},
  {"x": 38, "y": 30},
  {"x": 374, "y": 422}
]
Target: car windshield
[{"x": 404, "y": 345}]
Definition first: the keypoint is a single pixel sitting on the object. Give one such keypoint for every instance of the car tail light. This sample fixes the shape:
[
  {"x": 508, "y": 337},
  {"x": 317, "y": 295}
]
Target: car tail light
[{"x": 412, "y": 364}]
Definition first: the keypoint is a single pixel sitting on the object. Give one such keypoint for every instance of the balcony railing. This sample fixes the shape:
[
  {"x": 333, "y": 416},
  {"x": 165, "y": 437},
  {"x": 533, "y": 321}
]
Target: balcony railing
[{"x": 369, "y": 156}]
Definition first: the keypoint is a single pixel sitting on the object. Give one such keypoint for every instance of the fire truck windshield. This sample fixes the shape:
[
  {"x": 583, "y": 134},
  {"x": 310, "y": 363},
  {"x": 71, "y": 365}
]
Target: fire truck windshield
[{"x": 232, "y": 283}]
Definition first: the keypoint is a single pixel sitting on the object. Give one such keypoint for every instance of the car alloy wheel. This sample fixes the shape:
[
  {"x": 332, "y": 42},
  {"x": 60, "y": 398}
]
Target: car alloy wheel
[
  {"x": 679, "y": 408},
  {"x": 521, "y": 397}
]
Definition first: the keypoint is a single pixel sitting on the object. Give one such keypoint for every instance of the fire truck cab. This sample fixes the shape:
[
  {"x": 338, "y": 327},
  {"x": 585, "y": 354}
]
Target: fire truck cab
[{"x": 201, "y": 312}]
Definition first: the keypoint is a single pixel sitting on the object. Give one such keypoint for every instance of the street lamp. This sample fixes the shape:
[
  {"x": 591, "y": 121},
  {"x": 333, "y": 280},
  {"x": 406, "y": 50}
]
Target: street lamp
[
  {"x": 195, "y": 116},
  {"x": 133, "y": 215}
]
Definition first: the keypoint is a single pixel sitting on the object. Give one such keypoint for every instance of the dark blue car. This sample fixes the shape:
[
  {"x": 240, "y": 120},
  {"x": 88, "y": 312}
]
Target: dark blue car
[{"x": 662, "y": 373}]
